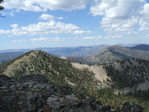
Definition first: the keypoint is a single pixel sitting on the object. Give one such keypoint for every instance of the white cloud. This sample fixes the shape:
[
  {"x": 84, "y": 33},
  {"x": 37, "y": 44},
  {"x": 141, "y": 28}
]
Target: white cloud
[
  {"x": 49, "y": 17},
  {"x": 60, "y": 18},
  {"x": 94, "y": 37},
  {"x": 86, "y": 38},
  {"x": 26, "y": 5},
  {"x": 5, "y": 31},
  {"x": 117, "y": 36},
  {"x": 39, "y": 39},
  {"x": 17, "y": 41},
  {"x": 122, "y": 16},
  {"x": 144, "y": 23},
  {"x": 43, "y": 5},
  {"x": 14, "y": 26},
  {"x": 23, "y": 40},
  {"x": 46, "y": 17},
  {"x": 146, "y": 9},
  {"x": 101, "y": 7},
  {"x": 44, "y": 28},
  {"x": 45, "y": 39},
  {"x": 119, "y": 9},
  {"x": 81, "y": 32}
]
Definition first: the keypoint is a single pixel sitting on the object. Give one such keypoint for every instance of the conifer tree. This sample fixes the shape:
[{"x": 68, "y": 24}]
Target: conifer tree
[{"x": 1, "y": 7}]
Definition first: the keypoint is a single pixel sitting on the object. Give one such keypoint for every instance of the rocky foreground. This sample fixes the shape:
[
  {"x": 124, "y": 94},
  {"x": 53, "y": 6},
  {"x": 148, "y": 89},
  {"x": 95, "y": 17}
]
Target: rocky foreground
[{"x": 33, "y": 93}]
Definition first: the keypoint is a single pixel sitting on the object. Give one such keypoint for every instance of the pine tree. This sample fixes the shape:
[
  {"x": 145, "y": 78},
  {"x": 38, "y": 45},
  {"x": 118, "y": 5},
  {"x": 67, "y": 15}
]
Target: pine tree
[{"x": 1, "y": 7}]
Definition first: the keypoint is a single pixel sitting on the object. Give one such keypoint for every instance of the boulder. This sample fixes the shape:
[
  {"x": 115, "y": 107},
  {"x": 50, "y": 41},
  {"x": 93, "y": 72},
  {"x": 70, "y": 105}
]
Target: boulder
[
  {"x": 131, "y": 107},
  {"x": 9, "y": 99}
]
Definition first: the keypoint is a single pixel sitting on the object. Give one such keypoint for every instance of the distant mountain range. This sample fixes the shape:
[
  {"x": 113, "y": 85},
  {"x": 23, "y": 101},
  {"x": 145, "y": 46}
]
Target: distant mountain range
[
  {"x": 141, "y": 47},
  {"x": 81, "y": 51},
  {"x": 114, "y": 53},
  {"x": 88, "y": 55}
]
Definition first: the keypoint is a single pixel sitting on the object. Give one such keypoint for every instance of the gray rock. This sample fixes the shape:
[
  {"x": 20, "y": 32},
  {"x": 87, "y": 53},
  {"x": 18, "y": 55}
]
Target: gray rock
[
  {"x": 12, "y": 86},
  {"x": 9, "y": 99},
  {"x": 131, "y": 107},
  {"x": 106, "y": 108},
  {"x": 3, "y": 87}
]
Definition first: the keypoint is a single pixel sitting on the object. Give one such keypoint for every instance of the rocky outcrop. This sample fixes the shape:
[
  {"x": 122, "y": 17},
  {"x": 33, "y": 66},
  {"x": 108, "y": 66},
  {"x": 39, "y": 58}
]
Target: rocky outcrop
[
  {"x": 33, "y": 93},
  {"x": 131, "y": 107}
]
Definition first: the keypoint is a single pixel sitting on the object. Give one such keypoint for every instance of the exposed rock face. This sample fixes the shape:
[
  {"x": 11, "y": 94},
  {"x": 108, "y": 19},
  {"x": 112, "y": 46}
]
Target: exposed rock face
[{"x": 34, "y": 94}]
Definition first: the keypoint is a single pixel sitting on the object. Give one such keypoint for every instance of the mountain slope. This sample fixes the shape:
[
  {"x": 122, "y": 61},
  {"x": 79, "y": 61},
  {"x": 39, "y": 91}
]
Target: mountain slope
[
  {"x": 58, "y": 71},
  {"x": 124, "y": 74},
  {"x": 132, "y": 73}
]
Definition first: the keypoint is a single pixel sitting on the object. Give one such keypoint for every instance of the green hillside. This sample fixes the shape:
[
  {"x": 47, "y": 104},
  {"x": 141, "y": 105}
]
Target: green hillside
[{"x": 58, "y": 71}]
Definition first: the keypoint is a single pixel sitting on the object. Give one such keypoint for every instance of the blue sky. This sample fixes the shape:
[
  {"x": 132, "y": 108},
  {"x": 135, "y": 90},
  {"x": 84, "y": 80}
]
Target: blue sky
[{"x": 65, "y": 23}]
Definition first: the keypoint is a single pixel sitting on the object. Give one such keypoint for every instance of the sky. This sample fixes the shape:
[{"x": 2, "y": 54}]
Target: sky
[{"x": 69, "y": 23}]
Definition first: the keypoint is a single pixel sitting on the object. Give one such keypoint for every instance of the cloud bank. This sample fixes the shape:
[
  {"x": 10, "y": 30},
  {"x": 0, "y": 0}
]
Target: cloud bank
[
  {"x": 50, "y": 26},
  {"x": 118, "y": 16},
  {"x": 122, "y": 16},
  {"x": 44, "y": 5}
]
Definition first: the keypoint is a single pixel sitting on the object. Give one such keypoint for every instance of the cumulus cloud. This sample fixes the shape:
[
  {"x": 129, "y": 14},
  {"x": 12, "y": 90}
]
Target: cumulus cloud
[
  {"x": 146, "y": 9},
  {"x": 27, "y": 5},
  {"x": 49, "y": 17},
  {"x": 14, "y": 26},
  {"x": 122, "y": 16},
  {"x": 44, "y": 28},
  {"x": 43, "y": 5},
  {"x": 5, "y": 31},
  {"x": 46, "y": 17},
  {"x": 101, "y": 7}
]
